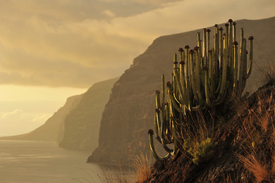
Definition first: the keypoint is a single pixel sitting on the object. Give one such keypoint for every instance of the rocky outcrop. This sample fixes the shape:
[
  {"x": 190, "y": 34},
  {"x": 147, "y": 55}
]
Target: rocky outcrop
[
  {"x": 81, "y": 129},
  {"x": 129, "y": 113},
  {"x": 52, "y": 129}
]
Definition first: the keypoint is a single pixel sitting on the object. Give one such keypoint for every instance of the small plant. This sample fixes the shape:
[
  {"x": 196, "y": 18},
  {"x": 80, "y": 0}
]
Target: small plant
[
  {"x": 202, "y": 152},
  {"x": 252, "y": 164},
  {"x": 141, "y": 165}
]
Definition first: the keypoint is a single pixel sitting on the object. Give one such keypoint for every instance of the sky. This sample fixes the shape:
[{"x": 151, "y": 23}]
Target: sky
[{"x": 50, "y": 50}]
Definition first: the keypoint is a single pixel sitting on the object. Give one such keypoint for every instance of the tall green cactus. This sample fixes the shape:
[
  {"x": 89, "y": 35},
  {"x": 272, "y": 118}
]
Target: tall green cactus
[{"x": 204, "y": 79}]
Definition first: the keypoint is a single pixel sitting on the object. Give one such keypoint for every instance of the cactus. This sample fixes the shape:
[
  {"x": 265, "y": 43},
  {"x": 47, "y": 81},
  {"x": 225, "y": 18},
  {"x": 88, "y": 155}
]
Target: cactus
[{"x": 204, "y": 79}]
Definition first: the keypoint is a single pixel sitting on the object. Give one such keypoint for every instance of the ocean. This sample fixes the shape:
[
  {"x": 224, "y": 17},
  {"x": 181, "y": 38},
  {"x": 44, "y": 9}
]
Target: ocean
[{"x": 45, "y": 162}]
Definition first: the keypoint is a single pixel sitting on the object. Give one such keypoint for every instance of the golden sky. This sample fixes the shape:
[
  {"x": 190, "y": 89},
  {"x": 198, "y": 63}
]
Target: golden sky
[{"x": 67, "y": 45}]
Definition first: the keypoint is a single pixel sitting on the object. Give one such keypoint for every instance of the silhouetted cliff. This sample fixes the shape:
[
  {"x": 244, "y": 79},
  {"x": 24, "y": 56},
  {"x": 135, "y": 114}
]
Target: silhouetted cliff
[
  {"x": 53, "y": 128},
  {"x": 81, "y": 128},
  {"x": 130, "y": 111}
]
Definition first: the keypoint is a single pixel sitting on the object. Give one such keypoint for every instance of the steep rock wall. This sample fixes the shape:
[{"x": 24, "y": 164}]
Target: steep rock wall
[{"x": 81, "y": 130}]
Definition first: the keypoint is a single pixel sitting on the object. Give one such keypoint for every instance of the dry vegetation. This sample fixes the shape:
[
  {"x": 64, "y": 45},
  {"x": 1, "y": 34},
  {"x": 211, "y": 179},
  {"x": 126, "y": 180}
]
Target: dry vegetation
[
  {"x": 137, "y": 171},
  {"x": 142, "y": 165}
]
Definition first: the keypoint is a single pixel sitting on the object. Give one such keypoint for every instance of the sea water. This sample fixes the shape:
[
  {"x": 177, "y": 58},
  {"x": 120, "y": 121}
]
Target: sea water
[{"x": 45, "y": 162}]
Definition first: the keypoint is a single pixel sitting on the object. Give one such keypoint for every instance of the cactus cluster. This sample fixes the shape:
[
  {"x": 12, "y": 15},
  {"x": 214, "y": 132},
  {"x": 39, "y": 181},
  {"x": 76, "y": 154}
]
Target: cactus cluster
[{"x": 204, "y": 79}]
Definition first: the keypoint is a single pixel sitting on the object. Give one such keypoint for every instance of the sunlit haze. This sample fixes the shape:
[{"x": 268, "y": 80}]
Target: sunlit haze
[
  {"x": 25, "y": 108},
  {"x": 51, "y": 50}
]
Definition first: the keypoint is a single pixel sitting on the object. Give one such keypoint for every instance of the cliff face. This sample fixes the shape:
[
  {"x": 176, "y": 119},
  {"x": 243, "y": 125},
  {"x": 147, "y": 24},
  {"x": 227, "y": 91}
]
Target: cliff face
[
  {"x": 53, "y": 128},
  {"x": 81, "y": 129},
  {"x": 130, "y": 111}
]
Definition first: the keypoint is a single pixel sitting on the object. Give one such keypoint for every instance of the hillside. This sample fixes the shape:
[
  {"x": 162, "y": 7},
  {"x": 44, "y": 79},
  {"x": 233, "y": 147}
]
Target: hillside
[
  {"x": 52, "y": 129},
  {"x": 130, "y": 111},
  {"x": 243, "y": 151},
  {"x": 81, "y": 126}
]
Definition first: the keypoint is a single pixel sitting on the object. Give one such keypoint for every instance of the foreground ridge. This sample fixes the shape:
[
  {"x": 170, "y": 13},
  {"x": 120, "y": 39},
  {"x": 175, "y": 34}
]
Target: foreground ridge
[{"x": 244, "y": 151}]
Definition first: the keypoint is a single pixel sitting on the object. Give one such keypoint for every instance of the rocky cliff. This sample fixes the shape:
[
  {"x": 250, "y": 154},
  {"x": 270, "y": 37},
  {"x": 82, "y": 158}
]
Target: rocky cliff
[
  {"x": 81, "y": 129},
  {"x": 129, "y": 113},
  {"x": 52, "y": 129}
]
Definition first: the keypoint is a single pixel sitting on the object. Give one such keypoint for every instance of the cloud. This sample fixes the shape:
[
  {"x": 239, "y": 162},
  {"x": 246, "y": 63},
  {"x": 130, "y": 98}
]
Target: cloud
[
  {"x": 11, "y": 114},
  {"x": 19, "y": 114},
  {"x": 41, "y": 117},
  {"x": 19, "y": 121},
  {"x": 17, "y": 117},
  {"x": 108, "y": 13},
  {"x": 70, "y": 43}
]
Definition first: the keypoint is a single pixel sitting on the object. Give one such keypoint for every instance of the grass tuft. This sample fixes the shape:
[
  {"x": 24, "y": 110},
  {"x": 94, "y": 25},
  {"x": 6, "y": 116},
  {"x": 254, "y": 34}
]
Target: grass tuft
[
  {"x": 141, "y": 166},
  {"x": 253, "y": 165}
]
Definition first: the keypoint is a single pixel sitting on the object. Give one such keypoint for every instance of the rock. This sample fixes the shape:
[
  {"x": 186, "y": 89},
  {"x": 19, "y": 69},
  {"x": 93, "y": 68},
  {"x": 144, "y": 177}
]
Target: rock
[{"x": 81, "y": 127}]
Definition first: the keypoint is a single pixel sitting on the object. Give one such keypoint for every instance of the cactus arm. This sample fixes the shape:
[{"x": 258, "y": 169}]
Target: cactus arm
[
  {"x": 175, "y": 73},
  {"x": 158, "y": 122},
  {"x": 156, "y": 125},
  {"x": 219, "y": 85},
  {"x": 176, "y": 99},
  {"x": 182, "y": 75},
  {"x": 172, "y": 102},
  {"x": 161, "y": 138},
  {"x": 162, "y": 90},
  {"x": 206, "y": 87},
  {"x": 162, "y": 98},
  {"x": 241, "y": 39},
  {"x": 250, "y": 57},
  {"x": 175, "y": 61},
  {"x": 230, "y": 48},
  {"x": 210, "y": 73},
  {"x": 187, "y": 78},
  {"x": 207, "y": 42},
  {"x": 152, "y": 147},
  {"x": 220, "y": 47},
  {"x": 224, "y": 69},
  {"x": 220, "y": 58},
  {"x": 234, "y": 31},
  {"x": 235, "y": 66},
  {"x": 198, "y": 77},
  {"x": 230, "y": 35},
  {"x": 204, "y": 43},
  {"x": 174, "y": 131},
  {"x": 216, "y": 53},
  {"x": 186, "y": 67},
  {"x": 199, "y": 50},
  {"x": 192, "y": 74},
  {"x": 179, "y": 87},
  {"x": 157, "y": 99},
  {"x": 243, "y": 63},
  {"x": 222, "y": 98}
]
